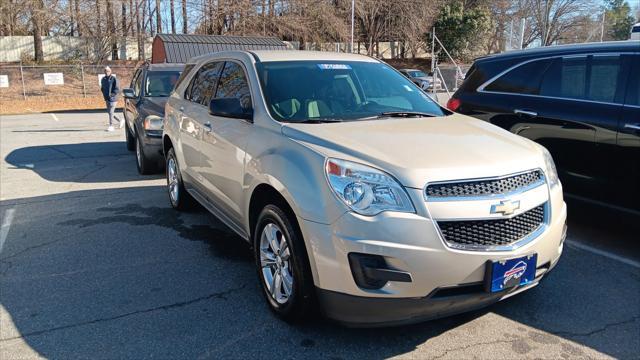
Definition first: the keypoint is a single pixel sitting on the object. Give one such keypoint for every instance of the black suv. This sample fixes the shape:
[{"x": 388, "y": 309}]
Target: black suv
[
  {"x": 582, "y": 102},
  {"x": 144, "y": 112}
]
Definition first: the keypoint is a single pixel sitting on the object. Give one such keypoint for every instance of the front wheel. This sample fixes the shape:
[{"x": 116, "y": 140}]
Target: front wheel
[
  {"x": 131, "y": 139},
  {"x": 283, "y": 265},
  {"x": 145, "y": 165}
]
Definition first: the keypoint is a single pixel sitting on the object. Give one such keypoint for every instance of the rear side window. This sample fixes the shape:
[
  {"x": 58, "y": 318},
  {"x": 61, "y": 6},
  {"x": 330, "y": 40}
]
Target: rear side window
[
  {"x": 204, "y": 83},
  {"x": 603, "y": 81},
  {"x": 524, "y": 79},
  {"x": 586, "y": 78},
  {"x": 233, "y": 84},
  {"x": 566, "y": 78}
]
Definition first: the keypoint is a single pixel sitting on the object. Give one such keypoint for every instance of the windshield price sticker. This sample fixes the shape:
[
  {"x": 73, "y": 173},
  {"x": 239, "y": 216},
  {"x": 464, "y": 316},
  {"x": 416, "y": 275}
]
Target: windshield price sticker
[{"x": 334, "y": 67}]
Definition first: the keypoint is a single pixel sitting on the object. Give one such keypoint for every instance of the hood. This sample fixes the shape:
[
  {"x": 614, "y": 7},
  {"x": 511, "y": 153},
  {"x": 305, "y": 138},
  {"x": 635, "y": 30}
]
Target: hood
[
  {"x": 154, "y": 105},
  {"x": 421, "y": 150}
]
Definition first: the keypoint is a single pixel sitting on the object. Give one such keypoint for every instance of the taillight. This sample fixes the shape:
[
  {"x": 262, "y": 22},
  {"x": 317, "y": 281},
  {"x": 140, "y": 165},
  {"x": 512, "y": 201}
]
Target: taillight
[{"x": 453, "y": 104}]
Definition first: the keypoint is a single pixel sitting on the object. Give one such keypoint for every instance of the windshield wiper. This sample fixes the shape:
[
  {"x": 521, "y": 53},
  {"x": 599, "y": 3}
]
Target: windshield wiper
[
  {"x": 405, "y": 114},
  {"x": 316, "y": 121}
]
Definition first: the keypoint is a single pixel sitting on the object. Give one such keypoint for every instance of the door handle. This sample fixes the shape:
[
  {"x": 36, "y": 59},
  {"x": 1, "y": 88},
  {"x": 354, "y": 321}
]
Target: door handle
[
  {"x": 632, "y": 126},
  {"x": 525, "y": 112}
]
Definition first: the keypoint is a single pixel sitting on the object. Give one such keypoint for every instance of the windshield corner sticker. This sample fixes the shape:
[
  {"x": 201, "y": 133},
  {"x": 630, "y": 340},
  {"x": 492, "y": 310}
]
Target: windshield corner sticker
[{"x": 334, "y": 67}]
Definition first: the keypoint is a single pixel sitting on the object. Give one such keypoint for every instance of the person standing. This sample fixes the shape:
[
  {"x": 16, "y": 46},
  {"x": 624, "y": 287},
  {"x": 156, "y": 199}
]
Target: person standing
[{"x": 110, "y": 88}]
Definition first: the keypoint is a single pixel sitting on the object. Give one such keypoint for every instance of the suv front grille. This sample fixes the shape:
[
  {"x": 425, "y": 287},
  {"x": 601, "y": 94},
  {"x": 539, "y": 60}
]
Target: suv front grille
[
  {"x": 484, "y": 187},
  {"x": 488, "y": 233}
]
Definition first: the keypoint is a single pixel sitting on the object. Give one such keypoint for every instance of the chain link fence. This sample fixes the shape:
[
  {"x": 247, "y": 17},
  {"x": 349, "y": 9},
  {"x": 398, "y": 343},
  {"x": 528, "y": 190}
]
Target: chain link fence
[{"x": 22, "y": 82}]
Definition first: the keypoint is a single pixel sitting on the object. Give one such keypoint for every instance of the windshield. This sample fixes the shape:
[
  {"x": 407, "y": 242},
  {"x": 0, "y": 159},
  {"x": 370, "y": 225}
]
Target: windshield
[
  {"x": 306, "y": 90},
  {"x": 417, "y": 74},
  {"x": 160, "y": 83}
]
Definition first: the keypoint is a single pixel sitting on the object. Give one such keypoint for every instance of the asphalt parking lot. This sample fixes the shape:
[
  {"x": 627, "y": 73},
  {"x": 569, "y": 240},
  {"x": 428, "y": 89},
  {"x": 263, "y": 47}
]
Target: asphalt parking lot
[{"x": 95, "y": 264}]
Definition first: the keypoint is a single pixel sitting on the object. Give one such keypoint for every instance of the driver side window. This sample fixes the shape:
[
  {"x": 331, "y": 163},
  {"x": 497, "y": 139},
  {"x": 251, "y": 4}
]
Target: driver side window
[{"x": 137, "y": 83}]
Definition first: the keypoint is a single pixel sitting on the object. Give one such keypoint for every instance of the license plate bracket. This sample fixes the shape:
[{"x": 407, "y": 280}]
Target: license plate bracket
[{"x": 508, "y": 273}]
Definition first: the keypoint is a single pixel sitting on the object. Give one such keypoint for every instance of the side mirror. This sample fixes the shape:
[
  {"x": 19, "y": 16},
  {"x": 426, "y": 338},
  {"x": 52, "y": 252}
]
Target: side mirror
[
  {"x": 230, "y": 108},
  {"x": 129, "y": 93}
]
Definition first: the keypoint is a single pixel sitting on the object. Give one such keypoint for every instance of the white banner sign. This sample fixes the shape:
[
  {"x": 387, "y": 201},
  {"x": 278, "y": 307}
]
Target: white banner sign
[
  {"x": 53, "y": 79},
  {"x": 4, "y": 81},
  {"x": 100, "y": 76}
]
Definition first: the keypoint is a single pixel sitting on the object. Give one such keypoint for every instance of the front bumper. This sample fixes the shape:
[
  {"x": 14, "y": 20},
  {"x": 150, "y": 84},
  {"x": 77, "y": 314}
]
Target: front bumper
[
  {"x": 152, "y": 143},
  {"x": 411, "y": 243}
]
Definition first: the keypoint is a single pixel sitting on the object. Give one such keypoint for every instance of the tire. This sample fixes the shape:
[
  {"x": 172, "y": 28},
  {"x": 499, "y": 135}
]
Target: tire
[
  {"x": 290, "y": 262},
  {"x": 181, "y": 200},
  {"x": 144, "y": 164},
  {"x": 131, "y": 139}
]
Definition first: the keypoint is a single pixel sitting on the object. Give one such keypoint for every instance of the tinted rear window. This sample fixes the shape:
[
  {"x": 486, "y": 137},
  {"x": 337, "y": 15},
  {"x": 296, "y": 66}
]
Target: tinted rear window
[
  {"x": 589, "y": 78},
  {"x": 524, "y": 79}
]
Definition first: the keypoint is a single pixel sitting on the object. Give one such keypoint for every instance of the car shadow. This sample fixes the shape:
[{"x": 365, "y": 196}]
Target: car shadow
[
  {"x": 129, "y": 275},
  {"x": 80, "y": 162}
]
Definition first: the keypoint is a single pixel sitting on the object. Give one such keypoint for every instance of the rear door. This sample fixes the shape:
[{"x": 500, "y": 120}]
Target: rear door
[
  {"x": 571, "y": 105},
  {"x": 628, "y": 157},
  {"x": 581, "y": 103},
  {"x": 194, "y": 115}
]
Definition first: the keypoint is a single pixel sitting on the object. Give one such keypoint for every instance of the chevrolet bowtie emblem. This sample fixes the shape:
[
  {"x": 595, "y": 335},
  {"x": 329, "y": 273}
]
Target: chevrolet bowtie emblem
[{"x": 506, "y": 207}]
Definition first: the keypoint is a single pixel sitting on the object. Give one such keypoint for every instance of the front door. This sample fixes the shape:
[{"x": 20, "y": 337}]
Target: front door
[
  {"x": 131, "y": 105},
  {"x": 224, "y": 143},
  {"x": 627, "y": 159}
]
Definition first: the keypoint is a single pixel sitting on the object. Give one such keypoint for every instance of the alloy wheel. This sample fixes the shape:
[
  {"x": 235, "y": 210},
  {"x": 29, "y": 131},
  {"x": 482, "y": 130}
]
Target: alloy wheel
[
  {"x": 172, "y": 180},
  {"x": 275, "y": 260}
]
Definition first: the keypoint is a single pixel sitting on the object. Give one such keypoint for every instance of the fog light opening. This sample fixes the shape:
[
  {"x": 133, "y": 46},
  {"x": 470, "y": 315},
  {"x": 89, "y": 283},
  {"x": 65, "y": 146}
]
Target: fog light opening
[{"x": 372, "y": 272}]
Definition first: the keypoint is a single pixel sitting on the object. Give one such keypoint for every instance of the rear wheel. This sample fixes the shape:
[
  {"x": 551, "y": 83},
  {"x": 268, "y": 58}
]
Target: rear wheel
[
  {"x": 283, "y": 265},
  {"x": 145, "y": 165},
  {"x": 179, "y": 198}
]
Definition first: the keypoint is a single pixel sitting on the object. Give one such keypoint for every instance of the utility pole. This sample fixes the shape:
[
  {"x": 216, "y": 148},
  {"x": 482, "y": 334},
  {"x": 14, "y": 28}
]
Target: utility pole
[
  {"x": 509, "y": 43},
  {"x": 433, "y": 50},
  {"x": 522, "y": 24},
  {"x": 545, "y": 23},
  {"x": 353, "y": 11},
  {"x": 602, "y": 29}
]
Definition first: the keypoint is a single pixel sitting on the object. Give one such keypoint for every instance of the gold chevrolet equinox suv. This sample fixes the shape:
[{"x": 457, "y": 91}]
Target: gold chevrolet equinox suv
[{"x": 359, "y": 194}]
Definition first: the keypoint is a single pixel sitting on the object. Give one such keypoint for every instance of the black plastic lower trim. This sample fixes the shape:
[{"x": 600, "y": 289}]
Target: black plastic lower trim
[{"x": 360, "y": 311}]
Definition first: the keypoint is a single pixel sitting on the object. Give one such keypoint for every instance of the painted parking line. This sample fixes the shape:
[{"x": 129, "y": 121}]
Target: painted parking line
[
  {"x": 6, "y": 224},
  {"x": 612, "y": 256}
]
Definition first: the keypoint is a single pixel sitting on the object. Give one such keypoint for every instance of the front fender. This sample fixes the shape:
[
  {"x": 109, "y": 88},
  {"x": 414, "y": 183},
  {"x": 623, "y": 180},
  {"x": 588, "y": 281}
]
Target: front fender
[{"x": 296, "y": 172}]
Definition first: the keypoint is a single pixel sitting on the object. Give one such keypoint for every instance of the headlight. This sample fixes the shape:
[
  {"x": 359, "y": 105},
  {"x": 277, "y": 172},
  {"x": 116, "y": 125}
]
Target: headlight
[
  {"x": 551, "y": 172},
  {"x": 366, "y": 190},
  {"x": 153, "y": 122}
]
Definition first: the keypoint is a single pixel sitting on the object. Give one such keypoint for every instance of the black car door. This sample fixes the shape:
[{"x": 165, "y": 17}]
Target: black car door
[
  {"x": 581, "y": 96},
  {"x": 627, "y": 160},
  {"x": 570, "y": 105},
  {"x": 131, "y": 105}
]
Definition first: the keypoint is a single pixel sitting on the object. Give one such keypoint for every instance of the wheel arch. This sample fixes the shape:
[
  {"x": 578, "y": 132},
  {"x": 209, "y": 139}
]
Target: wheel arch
[{"x": 266, "y": 193}]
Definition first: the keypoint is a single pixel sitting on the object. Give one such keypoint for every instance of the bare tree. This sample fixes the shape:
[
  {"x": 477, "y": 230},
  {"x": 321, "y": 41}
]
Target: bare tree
[
  {"x": 173, "y": 18},
  {"x": 184, "y": 16},
  {"x": 158, "y": 17},
  {"x": 37, "y": 18}
]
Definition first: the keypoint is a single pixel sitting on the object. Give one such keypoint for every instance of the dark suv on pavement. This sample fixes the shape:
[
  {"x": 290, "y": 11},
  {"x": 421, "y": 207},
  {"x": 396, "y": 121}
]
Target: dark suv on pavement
[
  {"x": 582, "y": 102},
  {"x": 144, "y": 112}
]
